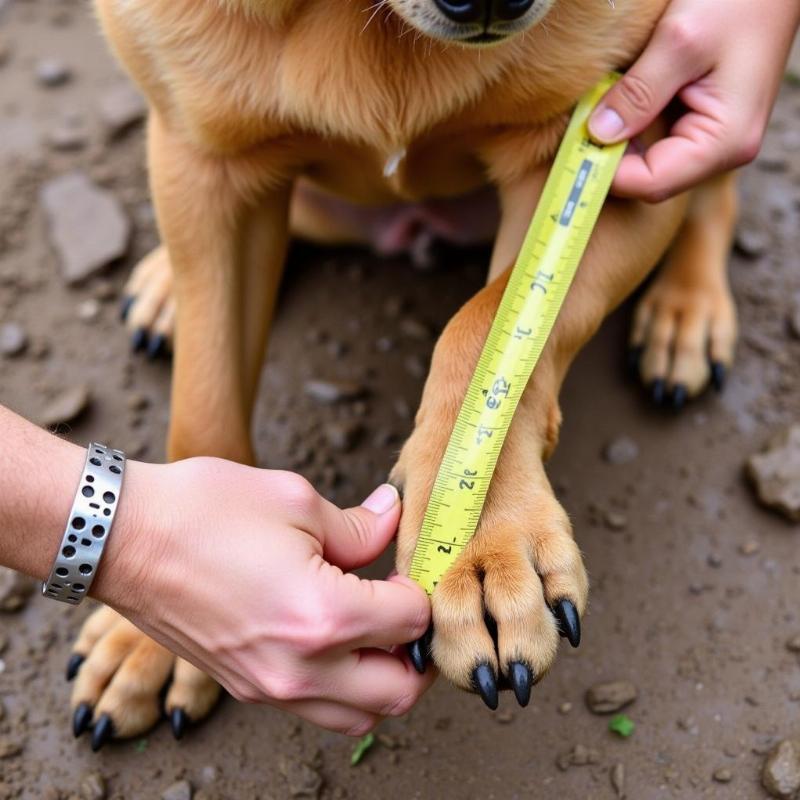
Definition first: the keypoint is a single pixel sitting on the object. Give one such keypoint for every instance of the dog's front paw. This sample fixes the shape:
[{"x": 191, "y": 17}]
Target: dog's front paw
[
  {"x": 119, "y": 676},
  {"x": 499, "y": 610}
]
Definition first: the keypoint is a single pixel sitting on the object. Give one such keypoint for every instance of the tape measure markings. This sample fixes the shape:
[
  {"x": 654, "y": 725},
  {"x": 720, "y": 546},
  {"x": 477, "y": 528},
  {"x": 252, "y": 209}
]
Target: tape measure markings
[{"x": 554, "y": 244}]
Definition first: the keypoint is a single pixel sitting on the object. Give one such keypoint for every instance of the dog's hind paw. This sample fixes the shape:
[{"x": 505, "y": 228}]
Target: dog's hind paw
[{"x": 148, "y": 305}]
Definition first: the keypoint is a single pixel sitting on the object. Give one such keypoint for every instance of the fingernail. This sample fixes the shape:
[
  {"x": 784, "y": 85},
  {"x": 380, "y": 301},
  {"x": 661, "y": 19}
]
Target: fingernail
[
  {"x": 605, "y": 124},
  {"x": 383, "y": 499}
]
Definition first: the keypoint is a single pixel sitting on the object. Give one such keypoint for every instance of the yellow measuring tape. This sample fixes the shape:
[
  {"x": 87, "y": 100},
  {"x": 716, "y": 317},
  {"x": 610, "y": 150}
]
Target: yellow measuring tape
[{"x": 557, "y": 237}]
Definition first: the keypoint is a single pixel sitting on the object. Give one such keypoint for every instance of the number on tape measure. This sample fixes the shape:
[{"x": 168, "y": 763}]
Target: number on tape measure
[{"x": 557, "y": 237}]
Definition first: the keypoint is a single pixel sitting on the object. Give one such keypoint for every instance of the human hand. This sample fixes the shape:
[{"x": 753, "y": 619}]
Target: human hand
[
  {"x": 724, "y": 62},
  {"x": 243, "y": 572}
]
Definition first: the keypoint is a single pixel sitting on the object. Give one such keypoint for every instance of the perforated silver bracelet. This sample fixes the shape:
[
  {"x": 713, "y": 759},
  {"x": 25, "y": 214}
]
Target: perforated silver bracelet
[{"x": 88, "y": 526}]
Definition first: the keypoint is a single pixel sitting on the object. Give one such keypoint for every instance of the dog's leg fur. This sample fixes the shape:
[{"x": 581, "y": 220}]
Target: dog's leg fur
[
  {"x": 224, "y": 225},
  {"x": 685, "y": 325},
  {"x": 523, "y": 557}
]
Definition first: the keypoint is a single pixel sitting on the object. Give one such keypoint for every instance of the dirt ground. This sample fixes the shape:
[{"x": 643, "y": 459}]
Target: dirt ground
[{"x": 695, "y": 587}]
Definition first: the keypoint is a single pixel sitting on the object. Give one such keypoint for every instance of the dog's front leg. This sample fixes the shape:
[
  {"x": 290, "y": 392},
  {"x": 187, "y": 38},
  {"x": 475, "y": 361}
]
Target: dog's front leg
[
  {"x": 224, "y": 225},
  {"x": 522, "y": 570}
]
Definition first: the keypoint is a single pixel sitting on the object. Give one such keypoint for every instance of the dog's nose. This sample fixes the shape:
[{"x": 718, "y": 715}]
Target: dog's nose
[
  {"x": 507, "y": 10},
  {"x": 466, "y": 11},
  {"x": 486, "y": 11}
]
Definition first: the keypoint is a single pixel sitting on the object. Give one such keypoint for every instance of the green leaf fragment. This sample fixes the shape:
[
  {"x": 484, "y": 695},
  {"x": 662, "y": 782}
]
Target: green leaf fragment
[
  {"x": 362, "y": 748},
  {"x": 622, "y": 725},
  {"x": 141, "y": 745}
]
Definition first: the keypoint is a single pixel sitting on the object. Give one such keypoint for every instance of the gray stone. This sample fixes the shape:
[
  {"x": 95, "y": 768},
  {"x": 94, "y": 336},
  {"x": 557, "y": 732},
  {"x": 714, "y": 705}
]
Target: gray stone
[
  {"x": 88, "y": 227},
  {"x": 67, "y": 406},
  {"x": 606, "y": 698},
  {"x": 93, "y": 787},
  {"x": 303, "y": 780},
  {"x": 121, "y": 108},
  {"x": 752, "y": 242},
  {"x": 722, "y": 775},
  {"x": 330, "y": 392},
  {"x": 617, "y": 778},
  {"x": 52, "y": 72},
  {"x": 780, "y": 775},
  {"x": 621, "y": 450},
  {"x": 13, "y": 339},
  {"x": 775, "y": 473},
  {"x": 180, "y": 790},
  {"x": 15, "y": 590}
]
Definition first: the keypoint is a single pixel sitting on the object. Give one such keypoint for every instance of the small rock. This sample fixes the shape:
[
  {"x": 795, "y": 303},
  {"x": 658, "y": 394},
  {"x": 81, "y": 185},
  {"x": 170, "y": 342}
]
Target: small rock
[
  {"x": 330, "y": 392},
  {"x": 565, "y": 708},
  {"x": 9, "y": 747},
  {"x": 121, "y": 108},
  {"x": 342, "y": 436},
  {"x": 69, "y": 405},
  {"x": 504, "y": 717},
  {"x": 722, "y": 775},
  {"x": 93, "y": 787},
  {"x": 621, "y": 450},
  {"x": 89, "y": 310},
  {"x": 52, "y": 72},
  {"x": 15, "y": 590},
  {"x": 749, "y": 548},
  {"x": 615, "y": 520},
  {"x": 579, "y": 756},
  {"x": 605, "y": 698},
  {"x": 88, "y": 227},
  {"x": 780, "y": 775},
  {"x": 180, "y": 790},
  {"x": 67, "y": 138},
  {"x": 752, "y": 242},
  {"x": 617, "y": 777},
  {"x": 13, "y": 339},
  {"x": 793, "y": 644},
  {"x": 776, "y": 473},
  {"x": 302, "y": 779},
  {"x": 714, "y": 560}
]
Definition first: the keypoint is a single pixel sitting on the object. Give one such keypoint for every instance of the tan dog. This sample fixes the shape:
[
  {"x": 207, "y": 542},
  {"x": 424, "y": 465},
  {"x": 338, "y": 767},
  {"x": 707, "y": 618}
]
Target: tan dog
[{"x": 376, "y": 105}]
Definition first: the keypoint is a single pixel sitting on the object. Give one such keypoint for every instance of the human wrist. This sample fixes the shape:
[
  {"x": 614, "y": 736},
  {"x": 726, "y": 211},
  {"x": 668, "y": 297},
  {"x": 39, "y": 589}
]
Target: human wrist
[{"x": 126, "y": 571}]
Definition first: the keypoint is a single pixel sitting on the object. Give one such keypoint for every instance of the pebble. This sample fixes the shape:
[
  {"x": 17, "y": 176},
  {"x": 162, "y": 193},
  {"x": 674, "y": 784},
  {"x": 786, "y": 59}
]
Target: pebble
[
  {"x": 621, "y": 450},
  {"x": 615, "y": 520},
  {"x": 9, "y": 747},
  {"x": 15, "y": 590},
  {"x": 749, "y": 548},
  {"x": 89, "y": 310},
  {"x": 617, "y": 778},
  {"x": 714, "y": 560},
  {"x": 67, "y": 406},
  {"x": 13, "y": 339},
  {"x": 752, "y": 242},
  {"x": 342, "y": 436},
  {"x": 93, "y": 787},
  {"x": 565, "y": 708},
  {"x": 52, "y": 72},
  {"x": 605, "y": 698},
  {"x": 302, "y": 779},
  {"x": 793, "y": 644},
  {"x": 722, "y": 775},
  {"x": 579, "y": 756},
  {"x": 121, "y": 107},
  {"x": 775, "y": 473},
  {"x": 67, "y": 137},
  {"x": 780, "y": 775},
  {"x": 88, "y": 227},
  {"x": 180, "y": 790},
  {"x": 330, "y": 392}
]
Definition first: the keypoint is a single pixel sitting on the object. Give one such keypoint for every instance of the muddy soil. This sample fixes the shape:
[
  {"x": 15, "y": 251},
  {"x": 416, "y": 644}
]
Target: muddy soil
[{"x": 695, "y": 587}]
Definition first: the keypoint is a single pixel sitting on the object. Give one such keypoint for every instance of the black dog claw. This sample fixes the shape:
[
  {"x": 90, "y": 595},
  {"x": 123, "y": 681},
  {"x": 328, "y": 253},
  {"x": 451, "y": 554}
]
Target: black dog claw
[
  {"x": 658, "y": 391},
  {"x": 125, "y": 307},
  {"x": 103, "y": 731},
  {"x": 74, "y": 664},
  {"x": 569, "y": 622},
  {"x": 520, "y": 676},
  {"x": 178, "y": 720},
  {"x": 156, "y": 347},
  {"x": 679, "y": 396},
  {"x": 81, "y": 719},
  {"x": 485, "y": 683},
  {"x": 718, "y": 375},
  {"x": 139, "y": 340},
  {"x": 419, "y": 651}
]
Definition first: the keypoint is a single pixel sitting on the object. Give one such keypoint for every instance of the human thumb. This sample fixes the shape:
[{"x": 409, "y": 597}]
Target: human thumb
[
  {"x": 639, "y": 96},
  {"x": 354, "y": 537}
]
